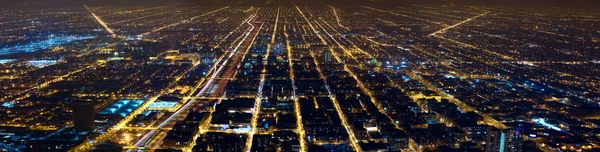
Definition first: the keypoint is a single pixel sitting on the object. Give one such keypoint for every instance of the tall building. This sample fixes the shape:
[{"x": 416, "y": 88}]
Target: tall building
[
  {"x": 327, "y": 56},
  {"x": 324, "y": 51},
  {"x": 507, "y": 140},
  {"x": 278, "y": 48},
  {"x": 83, "y": 115}
]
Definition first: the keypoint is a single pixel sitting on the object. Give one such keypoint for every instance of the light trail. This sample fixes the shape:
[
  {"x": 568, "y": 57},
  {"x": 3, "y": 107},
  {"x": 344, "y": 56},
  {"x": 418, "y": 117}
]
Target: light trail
[
  {"x": 99, "y": 20},
  {"x": 144, "y": 128},
  {"x": 416, "y": 18},
  {"x": 259, "y": 93},
  {"x": 436, "y": 13},
  {"x": 367, "y": 91},
  {"x": 311, "y": 26},
  {"x": 122, "y": 123},
  {"x": 59, "y": 78},
  {"x": 411, "y": 12},
  {"x": 506, "y": 57},
  {"x": 343, "y": 37},
  {"x": 23, "y": 20},
  {"x": 299, "y": 125},
  {"x": 203, "y": 127},
  {"x": 345, "y": 124},
  {"x": 147, "y": 136},
  {"x": 181, "y": 22},
  {"x": 412, "y": 143},
  {"x": 137, "y": 18},
  {"x": 257, "y": 104},
  {"x": 322, "y": 39},
  {"x": 228, "y": 35},
  {"x": 337, "y": 18},
  {"x": 200, "y": 33},
  {"x": 489, "y": 120},
  {"x": 510, "y": 59},
  {"x": 231, "y": 54},
  {"x": 275, "y": 28},
  {"x": 458, "y": 24},
  {"x": 447, "y": 28},
  {"x": 233, "y": 71},
  {"x": 138, "y": 10},
  {"x": 387, "y": 22},
  {"x": 338, "y": 108},
  {"x": 338, "y": 43},
  {"x": 450, "y": 27},
  {"x": 199, "y": 84}
]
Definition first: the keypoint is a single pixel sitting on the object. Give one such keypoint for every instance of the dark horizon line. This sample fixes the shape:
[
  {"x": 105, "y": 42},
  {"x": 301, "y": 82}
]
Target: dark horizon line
[{"x": 587, "y": 4}]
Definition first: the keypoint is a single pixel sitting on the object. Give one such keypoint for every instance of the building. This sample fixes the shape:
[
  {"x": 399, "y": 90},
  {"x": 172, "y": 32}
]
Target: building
[
  {"x": 208, "y": 55},
  {"x": 278, "y": 48},
  {"x": 507, "y": 140},
  {"x": 83, "y": 115},
  {"x": 397, "y": 140},
  {"x": 327, "y": 57},
  {"x": 167, "y": 103},
  {"x": 181, "y": 135},
  {"x": 322, "y": 50}
]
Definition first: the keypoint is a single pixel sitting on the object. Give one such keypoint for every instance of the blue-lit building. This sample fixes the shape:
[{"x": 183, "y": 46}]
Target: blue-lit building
[
  {"x": 41, "y": 45},
  {"x": 122, "y": 107},
  {"x": 506, "y": 140},
  {"x": 168, "y": 103}
]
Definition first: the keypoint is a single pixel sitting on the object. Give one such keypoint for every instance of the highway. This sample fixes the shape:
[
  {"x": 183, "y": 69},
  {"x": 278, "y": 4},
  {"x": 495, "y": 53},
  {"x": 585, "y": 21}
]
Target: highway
[
  {"x": 209, "y": 84},
  {"x": 457, "y": 24},
  {"x": 384, "y": 68},
  {"x": 101, "y": 22},
  {"x": 111, "y": 131},
  {"x": 337, "y": 18}
]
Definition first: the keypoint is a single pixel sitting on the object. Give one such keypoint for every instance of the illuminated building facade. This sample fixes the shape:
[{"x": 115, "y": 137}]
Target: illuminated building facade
[{"x": 506, "y": 140}]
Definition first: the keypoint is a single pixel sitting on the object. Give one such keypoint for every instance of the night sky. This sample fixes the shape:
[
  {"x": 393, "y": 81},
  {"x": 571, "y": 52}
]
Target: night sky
[{"x": 590, "y": 4}]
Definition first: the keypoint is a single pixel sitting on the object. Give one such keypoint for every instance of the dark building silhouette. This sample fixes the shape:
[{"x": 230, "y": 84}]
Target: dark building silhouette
[
  {"x": 507, "y": 140},
  {"x": 83, "y": 115}
]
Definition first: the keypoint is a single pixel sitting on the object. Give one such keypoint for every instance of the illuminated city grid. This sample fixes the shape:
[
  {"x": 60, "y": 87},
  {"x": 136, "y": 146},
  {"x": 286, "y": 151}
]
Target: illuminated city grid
[{"x": 300, "y": 75}]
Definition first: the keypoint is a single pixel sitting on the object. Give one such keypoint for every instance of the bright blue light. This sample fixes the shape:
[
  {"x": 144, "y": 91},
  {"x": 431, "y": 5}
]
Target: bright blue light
[
  {"x": 41, "y": 63},
  {"x": 545, "y": 124},
  {"x": 123, "y": 107},
  {"x": 46, "y": 44},
  {"x": 9, "y": 104},
  {"x": 502, "y": 142},
  {"x": 4, "y": 61}
]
